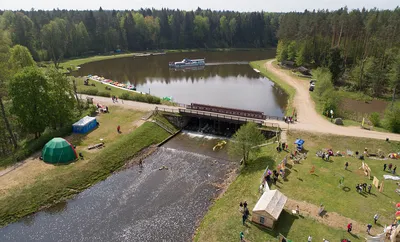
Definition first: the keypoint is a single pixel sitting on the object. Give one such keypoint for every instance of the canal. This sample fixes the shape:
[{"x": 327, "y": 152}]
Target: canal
[{"x": 227, "y": 80}]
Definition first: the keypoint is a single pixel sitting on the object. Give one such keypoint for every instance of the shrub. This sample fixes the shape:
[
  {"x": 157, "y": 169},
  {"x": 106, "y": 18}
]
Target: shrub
[
  {"x": 91, "y": 91},
  {"x": 104, "y": 94},
  {"x": 144, "y": 98},
  {"x": 391, "y": 119},
  {"x": 375, "y": 119}
]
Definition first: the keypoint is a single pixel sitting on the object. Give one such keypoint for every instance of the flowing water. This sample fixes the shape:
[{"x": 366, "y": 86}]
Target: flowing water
[
  {"x": 137, "y": 204},
  {"x": 226, "y": 80}
]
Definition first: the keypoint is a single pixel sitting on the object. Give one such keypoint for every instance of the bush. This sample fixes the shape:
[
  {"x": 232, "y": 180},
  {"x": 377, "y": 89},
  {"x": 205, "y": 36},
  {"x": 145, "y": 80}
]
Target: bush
[
  {"x": 144, "y": 98},
  {"x": 375, "y": 119},
  {"x": 331, "y": 101},
  {"x": 104, "y": 94},
  {"x": 391, "y": 119},
  {"x": 91, "y": 91}
]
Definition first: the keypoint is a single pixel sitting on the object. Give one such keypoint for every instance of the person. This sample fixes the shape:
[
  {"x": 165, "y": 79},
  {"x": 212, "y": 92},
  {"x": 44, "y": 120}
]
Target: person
[
  {"x": 390, "y": 167},
  {"x": 116, "y": 99},
  {"x": 369, "y": 188},
  {"x": 244, "y": 217},
  {"x": 241, "y": 207},
  {"x": 286, "y": 147},
  {"x": 81, "y": 155},
  {"x": 394, "y": 169},
  {"x": 376, "y": 216},
  {"x": 364, "y": 185},
  {"x": 140, "y": 163},
  {"x": 309, "y": 238},
  {"x": 349, "y": 227},
  {"x": 245, "y": 204},
  {"x": 241, "y": 236},
  {"x": 106, "y": 109},
  {"x": 384, "y": 167},
  {"x": 119, "y": 129},
  {"x": 113, "y": 99},
  {"x": 346, "y": 165},
  {"x": 298, "y": 210},
  {"x": 283, "y": 145},
  {"x": 369, "y": 226}
]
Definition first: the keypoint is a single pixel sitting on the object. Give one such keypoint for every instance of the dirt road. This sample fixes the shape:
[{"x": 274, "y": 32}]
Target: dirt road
[{"x": 310, "y": 120}]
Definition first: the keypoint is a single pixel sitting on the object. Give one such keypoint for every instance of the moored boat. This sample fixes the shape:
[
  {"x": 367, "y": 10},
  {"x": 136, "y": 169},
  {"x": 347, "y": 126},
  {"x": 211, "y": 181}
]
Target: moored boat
[{"x": 187, "y": 63}]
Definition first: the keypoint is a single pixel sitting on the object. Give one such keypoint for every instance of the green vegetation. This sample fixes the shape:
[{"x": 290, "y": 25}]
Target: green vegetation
[
  {"x": 223, "y": 221},
  {"x": 289, "y": 90},
  {"x": 73, "y": 63},
  {"x": 104, "y": 90},
  {"x": 63, "y": 182},
  {"x": 245, "y": 142},
  {"x": 58, "y": 34},
  {"x": 392, "y": 118}
]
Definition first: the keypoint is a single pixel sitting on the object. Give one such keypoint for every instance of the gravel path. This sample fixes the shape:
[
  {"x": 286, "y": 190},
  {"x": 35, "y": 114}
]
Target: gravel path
[{"x": 310, "y": 120}]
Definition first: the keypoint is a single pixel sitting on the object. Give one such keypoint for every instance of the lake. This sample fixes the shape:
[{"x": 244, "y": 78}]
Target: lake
[{"x": 227, "y": 80}]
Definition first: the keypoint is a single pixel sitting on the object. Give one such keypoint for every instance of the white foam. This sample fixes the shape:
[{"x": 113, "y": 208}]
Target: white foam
[{"x": 192, "y": 134}]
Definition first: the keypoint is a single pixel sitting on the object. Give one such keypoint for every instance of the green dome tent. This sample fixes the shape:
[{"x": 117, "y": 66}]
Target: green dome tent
[{"x": 58, "y": 150}]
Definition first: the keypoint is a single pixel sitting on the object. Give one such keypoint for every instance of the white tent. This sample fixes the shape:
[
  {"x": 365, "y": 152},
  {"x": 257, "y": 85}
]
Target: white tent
[{"x": 268, "y": 208}]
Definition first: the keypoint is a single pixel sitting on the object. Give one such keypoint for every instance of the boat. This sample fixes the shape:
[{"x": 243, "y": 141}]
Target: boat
[
  {"x": 256, "y": 70},
  {"x": 187, "y": 63},
  {"x": 219, "y": 145}
]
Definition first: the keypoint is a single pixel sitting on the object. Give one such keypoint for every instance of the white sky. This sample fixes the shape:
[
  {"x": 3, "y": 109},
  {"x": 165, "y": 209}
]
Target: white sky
[{"x": 237, "y": 5}]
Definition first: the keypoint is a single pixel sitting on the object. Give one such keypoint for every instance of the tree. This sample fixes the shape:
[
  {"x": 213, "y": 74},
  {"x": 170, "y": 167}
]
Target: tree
[
  {"x": 61, "y": 98},
  {"x": 335, "y": 64},
  {"x": 394, "y": 76},
  {"x": 232, "y": 29},
  {"x": 224, "y": 28},
  {"x": 4, "y": 75},
  {"x": 29, "y": 91},
  {"x": 281, "y": 51},
  {"x": 391, "y": 119},
  {"x": 245, "y": 140},
  {"x": 201, "y": 29},
  {"x": 20, "y": 57},
  {"x": 55, "y": 39}
]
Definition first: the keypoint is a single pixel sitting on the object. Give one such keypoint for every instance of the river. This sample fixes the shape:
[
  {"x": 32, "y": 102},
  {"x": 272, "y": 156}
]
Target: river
[
  {"x": 227, "y": 80},
  {"x": 137, "y": 204}
]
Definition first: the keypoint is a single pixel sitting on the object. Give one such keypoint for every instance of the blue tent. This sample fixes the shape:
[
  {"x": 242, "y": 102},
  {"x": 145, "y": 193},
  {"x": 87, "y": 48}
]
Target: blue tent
[
  {"x": 84, "y": 125},
  {"x": 299, "y": 143}
]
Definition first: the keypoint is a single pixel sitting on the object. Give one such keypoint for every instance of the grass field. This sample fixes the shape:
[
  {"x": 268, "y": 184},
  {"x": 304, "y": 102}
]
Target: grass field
[
  {"x": 223, "y": 221},
  {"x": 99, "y": 87},
  {"x": 289, "y": 90},
  {"x": 77, "y": 62},
  {"x": 64, "y": 181}
]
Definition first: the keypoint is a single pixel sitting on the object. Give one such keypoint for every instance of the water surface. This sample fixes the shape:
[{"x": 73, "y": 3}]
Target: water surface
[
  {"x": 136, "y": 204},
  {"x": 227, "y": 79}
]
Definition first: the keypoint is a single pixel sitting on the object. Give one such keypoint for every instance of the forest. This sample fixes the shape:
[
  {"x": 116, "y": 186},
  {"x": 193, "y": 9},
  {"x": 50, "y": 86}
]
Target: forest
[
  {"x": 354, "y": 51},
  {"x": 54, "y": 35},
  {"x": 359, "y": 47}
]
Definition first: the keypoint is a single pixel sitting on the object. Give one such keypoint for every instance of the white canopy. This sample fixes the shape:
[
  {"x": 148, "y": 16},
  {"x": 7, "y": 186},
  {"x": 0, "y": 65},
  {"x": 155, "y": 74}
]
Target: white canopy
[
  {"x": 84, "y": 121},
  {"x": 272, "y": 202}
]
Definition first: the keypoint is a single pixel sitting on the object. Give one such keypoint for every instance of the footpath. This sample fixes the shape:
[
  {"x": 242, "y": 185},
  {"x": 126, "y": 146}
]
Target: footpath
[{"x": 310, "y": 120}]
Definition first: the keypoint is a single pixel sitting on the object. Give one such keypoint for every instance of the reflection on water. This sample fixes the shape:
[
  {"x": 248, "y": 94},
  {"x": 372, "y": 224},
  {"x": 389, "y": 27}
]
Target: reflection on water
[
  {"x": 226, "y": 80},
  {"x": 146, "y": 204}
]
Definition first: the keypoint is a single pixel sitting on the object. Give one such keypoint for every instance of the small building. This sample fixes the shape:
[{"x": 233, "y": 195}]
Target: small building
[
  {"x": 269, "y": 208},
  {"x": 84, "y": 125},
  {"x": 288, "y": 63}
]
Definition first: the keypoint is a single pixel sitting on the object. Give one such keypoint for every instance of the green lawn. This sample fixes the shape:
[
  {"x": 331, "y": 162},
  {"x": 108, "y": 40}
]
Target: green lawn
[
  {"x": 99, "y": 87},
  {"x": 223, "y": 221},
  {"x": 73, "y": 63},
  {"x": 289, "y": 90},
  {"x": 64, "y": 181}
]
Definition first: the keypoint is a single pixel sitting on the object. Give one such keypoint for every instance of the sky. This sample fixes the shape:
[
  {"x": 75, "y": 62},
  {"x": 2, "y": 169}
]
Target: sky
[{"x": 236, "y": 5}]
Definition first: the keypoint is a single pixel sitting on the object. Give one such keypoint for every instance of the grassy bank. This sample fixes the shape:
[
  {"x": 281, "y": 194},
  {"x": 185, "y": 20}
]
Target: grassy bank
[
  {"x": 73, "y": 63},
  {"x": 289, "y": 90},
  {"x": 104, "y": 90},
  {"x": 64, "y": 181},
  {"x": 223, "y": 221}
]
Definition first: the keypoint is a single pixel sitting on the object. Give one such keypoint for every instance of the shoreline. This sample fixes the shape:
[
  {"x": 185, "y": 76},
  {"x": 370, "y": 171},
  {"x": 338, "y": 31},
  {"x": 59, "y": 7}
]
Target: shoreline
[{"x": 74, "y": 63}]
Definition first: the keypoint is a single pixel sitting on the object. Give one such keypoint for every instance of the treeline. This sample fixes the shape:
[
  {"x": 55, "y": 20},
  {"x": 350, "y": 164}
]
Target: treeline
[
  {"x": 359, "y": 47},
  {"x": 32, "y": 100},
  {"x": 57, "y": 34}
]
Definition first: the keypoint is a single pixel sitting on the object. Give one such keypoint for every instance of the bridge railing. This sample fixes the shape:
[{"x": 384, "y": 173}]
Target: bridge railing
[{"x": 219, "y": 115}]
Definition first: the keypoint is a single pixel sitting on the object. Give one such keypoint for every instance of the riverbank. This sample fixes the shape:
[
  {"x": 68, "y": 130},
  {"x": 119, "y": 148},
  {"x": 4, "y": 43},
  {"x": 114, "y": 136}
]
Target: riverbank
[
  {"x": 74, "y": 63},
  {"x": 58, "y": 183},
  {"x": 223, "y": 221},
  {"x": 289, "y": 90}
]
